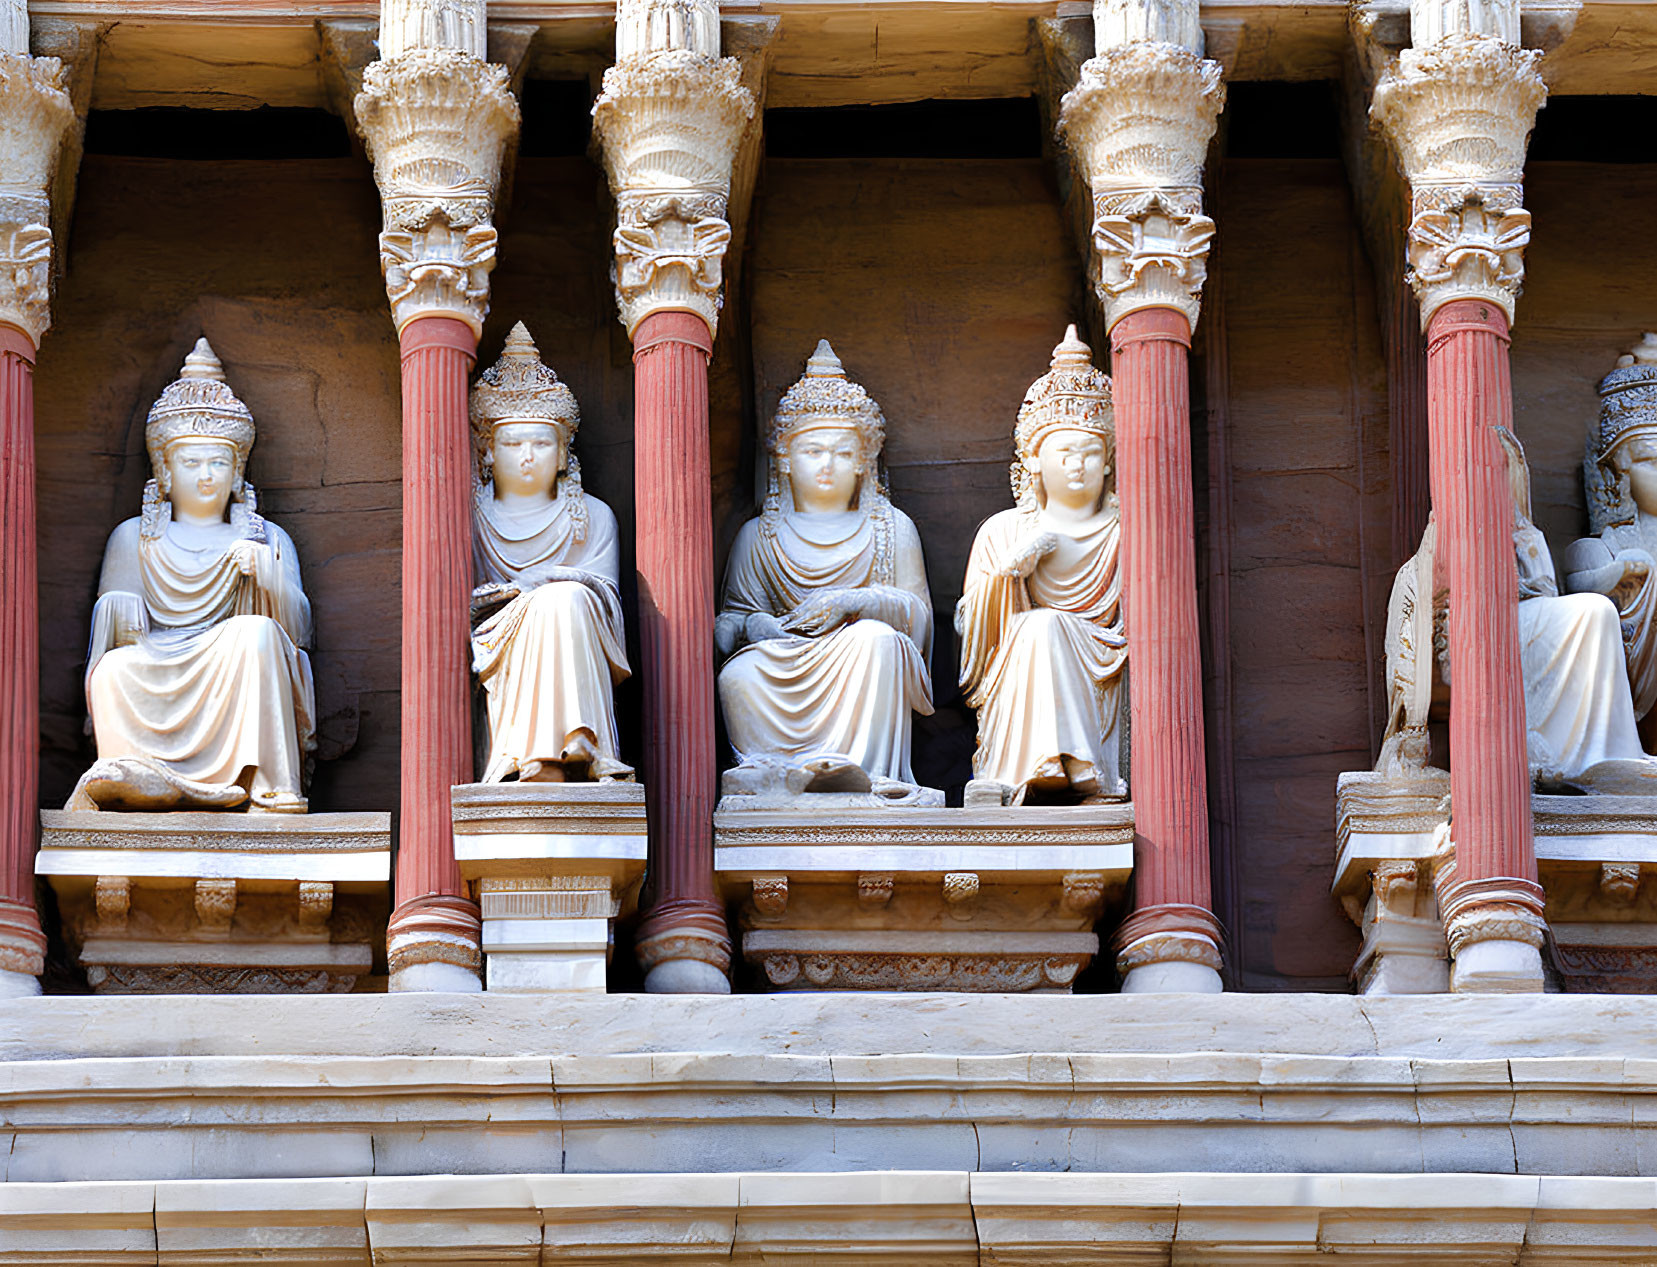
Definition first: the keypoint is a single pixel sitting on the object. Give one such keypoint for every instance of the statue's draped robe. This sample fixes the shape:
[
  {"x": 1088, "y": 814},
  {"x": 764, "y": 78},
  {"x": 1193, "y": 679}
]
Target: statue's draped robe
[
  {"x": 1577, "y": 704},
  {"x": 1636, "y": 600},
  {"x": 195, "y": 670},
  {"x": 549, "y": 659},
  {"x": 847, "y": 693},
  {"x": 1042, "y": 656}
]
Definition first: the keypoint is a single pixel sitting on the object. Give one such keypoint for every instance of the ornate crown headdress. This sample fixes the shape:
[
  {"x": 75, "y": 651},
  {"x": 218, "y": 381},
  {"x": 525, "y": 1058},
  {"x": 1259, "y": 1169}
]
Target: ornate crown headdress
[
  {"x": 1628, "y": 408},
  {"x": 825, "y": 397},
  {"x": 1073, "y": 395},
  {"x": 198, "y": 405},
  {"x": 520, "y": 387}
]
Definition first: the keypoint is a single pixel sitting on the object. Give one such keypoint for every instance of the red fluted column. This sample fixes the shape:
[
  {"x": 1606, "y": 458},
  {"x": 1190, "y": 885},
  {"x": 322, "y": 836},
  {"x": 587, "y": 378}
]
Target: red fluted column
[
  {"x": 1490, "y": 899},
  {"x": 683, "y": 944},
  {"x": 22, "y": 944},
  {"x": 433, "y": 938},
  {"x": 1171, "y": 940}
]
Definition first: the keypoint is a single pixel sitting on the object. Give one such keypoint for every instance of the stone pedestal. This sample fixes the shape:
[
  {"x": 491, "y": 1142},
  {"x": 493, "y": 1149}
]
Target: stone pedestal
[
  {"x": 1385, "y": 828},
  {"x": 1594, "y": 854},
  {"x": 220, "y": 903},
  {"x": 552, "y": 865},
  {"x": 992, "y": 900}
]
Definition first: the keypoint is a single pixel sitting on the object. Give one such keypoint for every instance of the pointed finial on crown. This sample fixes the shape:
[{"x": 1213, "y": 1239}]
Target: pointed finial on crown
[
  {"x": 823, "y": 363},
  {"x": 1071, "y": 351},
  {"x": 203, "y": 362},
  {"x": 519, "y": 345}
]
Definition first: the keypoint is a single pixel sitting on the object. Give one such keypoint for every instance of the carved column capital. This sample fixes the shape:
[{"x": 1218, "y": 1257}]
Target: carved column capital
[
  {"x": 35, "y": 113},
  {"x": 1139, "y": 121},
  {"x": 437, "y": 122},
  {"x": 1459, "y": 113},
  {"x": 669, "y": 123}
]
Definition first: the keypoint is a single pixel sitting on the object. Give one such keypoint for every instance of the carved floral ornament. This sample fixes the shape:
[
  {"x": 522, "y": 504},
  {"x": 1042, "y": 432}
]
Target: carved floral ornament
[
  {"x": 1459, "y": 113},
  {"x": 35, "y": 112},
  {"x": 436, "y": 122},
  {"x": 1139, "y": 121},
  {"x": 670, "y": 123}
]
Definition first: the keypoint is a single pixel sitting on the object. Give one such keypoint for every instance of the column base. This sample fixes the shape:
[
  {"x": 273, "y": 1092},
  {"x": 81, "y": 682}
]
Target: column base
[
  {"x": 1170, "y": 948},
  {"x": 17, "y": 985},
  {"x": 432, "y": 944},
  {"x": 1497, "y": 967},
  {"x": 1172, "y": 978},
  {"x": 685, "y": 949}
]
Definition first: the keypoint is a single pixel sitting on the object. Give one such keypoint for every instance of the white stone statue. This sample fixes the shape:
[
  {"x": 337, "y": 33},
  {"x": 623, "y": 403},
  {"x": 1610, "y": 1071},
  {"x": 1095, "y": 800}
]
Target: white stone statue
[
  {"x": 548, "y": 643},
  {"x": 826, "y": 617},
  {"x": 199, "y": 692},
  {"x": 1578, "y": 711},
  {"x": 1619, "y": 560},
  {"x": 1040, "y": 619}
]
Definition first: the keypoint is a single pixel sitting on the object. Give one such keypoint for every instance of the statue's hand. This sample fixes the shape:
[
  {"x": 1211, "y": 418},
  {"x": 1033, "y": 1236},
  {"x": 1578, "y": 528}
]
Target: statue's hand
[
  {"x": 763, "y": 625},
  {"x": 825, "y": 610},
  {"x": 245, "y": 556},
  {"x": 485, "y": 598},
  {"x": 1031, "y": 552}
]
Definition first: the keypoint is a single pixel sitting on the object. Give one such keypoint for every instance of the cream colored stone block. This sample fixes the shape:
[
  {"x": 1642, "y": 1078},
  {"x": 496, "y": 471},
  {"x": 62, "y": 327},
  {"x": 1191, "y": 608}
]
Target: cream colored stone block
[
  {"x": 453, "y": 1219},
  {"x": 912, "y": 1217},
  {"x": 205, "y": 1224},
  {"x": 83, "y": 1224},
  {"x": 637, "y": 1220},
  {"x": 1036, "y": 1220},
  {"x": 547, "y": 972}
]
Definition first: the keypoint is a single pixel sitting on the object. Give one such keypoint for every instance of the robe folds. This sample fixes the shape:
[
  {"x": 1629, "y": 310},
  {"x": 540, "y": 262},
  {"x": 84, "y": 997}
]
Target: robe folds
[
  {"x": 1042, "y": 656},
  {"x": 1578, "y": 709},
  {"x": 1636, "y": 599},
  {"x": 549, "y": 659},
  {"x": 195, "y": 671},
  {"x": 846, "y": 693}
]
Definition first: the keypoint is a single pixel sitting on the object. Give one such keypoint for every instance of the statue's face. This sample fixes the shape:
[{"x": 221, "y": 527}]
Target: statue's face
[
  {"x": 526, "y": 458},
  {"x": 200, "y": 474},
  {"x": 1073, "y": 465},
  {"x": 823, "y": 467},
  {"x": 1642, "y": 474}
]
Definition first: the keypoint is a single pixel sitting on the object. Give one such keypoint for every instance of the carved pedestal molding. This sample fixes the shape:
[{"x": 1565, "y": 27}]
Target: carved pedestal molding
[
  {"x": 437, "y": 119},
  {"x": 35, "y": 112},
  {"x": 670, "y": 117},
  {"x": 1458, "y": 108}
]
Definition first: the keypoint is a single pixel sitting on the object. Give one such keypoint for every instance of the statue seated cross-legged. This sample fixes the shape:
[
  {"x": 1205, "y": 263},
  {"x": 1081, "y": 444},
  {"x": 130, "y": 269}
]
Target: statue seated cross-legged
[{"x": 826, "y": 618}]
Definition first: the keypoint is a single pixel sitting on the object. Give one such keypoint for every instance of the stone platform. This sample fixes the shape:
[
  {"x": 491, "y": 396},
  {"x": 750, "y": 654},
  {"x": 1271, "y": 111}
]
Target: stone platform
[
  {"x": 220, "y": 902},
  {"x": 1593, "y": 854},
  {"x": 552, "y": 865},
  {"x": 991, "y": 899}
]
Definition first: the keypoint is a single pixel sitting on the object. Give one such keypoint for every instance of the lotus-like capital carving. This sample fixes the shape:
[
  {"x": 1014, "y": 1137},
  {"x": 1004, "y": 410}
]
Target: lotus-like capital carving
[{"x": 437, "y": 122}]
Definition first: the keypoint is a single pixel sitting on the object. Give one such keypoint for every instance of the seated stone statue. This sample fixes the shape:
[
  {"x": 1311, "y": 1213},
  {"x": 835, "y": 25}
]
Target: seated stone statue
[
  {"x": 199, "y": 693},
  {"x": 1042, "y": 647},
  {"x": 826, "y": 617},
  {"x": 1620, "y": 476},
  {"x": 547, "y": 643},
  {"x": 1578, "y": 712}
]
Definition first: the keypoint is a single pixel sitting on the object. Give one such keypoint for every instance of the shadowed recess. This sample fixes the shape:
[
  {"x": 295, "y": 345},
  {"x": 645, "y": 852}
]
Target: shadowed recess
[{"x": 1004, "y": 128}]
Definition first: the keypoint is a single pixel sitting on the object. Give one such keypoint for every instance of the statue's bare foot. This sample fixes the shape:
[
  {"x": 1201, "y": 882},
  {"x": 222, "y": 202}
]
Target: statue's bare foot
[
  {"x": 540, "y": 772},
  {"x": 134, "y": 783},
  {"x": 275, "y": 802}
]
